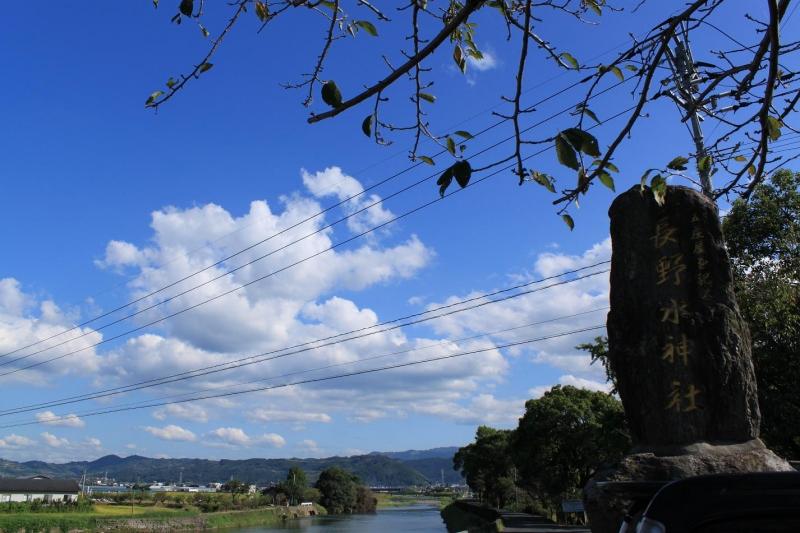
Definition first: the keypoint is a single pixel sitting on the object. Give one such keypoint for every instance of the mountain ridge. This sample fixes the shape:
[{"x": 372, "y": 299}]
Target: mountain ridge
[{"x": 399, "y": 469}]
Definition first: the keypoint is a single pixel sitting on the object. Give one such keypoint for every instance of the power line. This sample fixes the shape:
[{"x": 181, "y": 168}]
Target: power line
[
  {"x": 263, "y": 379},
  {"x": 314, "y": 380},
  {"x": 285, "y": 230},
  {"x": 305, "y": 347},
  {"x": 332, "y": 247}
]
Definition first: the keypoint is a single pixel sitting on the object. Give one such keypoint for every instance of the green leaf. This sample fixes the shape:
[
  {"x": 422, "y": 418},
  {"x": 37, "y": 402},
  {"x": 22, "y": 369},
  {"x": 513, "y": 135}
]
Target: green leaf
[
  {"x": 425, "y": 159},
  {"x": 617, "y": 72},
  {"x": 428, "y": 97},
  {"x": 582, "y": 141},
  {"x": 679, "y": 163},
  {"x": 366, "y": 126},
  {"x": 155, "y": 4},
  {"x": 565, "y": 153},
  {"x": 465, "y": 134},
  {"x": 444, "y": 180},
  {"x": 607, "y": 180},
  {"x": 458, "y": 57},
  {"x": 186, "y": 7},
  {"x": 205, "y": 67},
  {"x": 331, "y": 94},
  {"x": 171, "y": 82},
  {"x": 367, "y": 26},
  {"x": 451, "y": 146},
  {"x": 568, "y": 221},
  {"x": 152, "y": 98},
  {"x": 569, "y": 59},
  {"x": 262, "y": 11},
  {"x": 462, "y": 171},
  {"x": 632, "y": 68},
  {"x": 774, "y": 126},
  {"x": 659, "y": 187},
  {"x": 594, "y": 6},
  {"x": 544, "y": 180},
  {"x": 644, "y": 179},
  {"x": 740, "y": 158},
  {"x": 704, "y": 163},
  {"x": 591, "y": 114},
  {"x": 751, "y": 170},
  {"x": 612, "y": 167}
]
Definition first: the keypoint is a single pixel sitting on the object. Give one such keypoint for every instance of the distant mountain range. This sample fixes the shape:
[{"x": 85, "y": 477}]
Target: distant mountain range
[{"x": 396, "y": 469}]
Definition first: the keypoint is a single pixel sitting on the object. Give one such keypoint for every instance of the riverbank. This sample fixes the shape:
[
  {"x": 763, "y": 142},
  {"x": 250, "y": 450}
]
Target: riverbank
[
  {"x": 388, "y": 501},
  {"x": 126, "y": 518},
  {"x": 472, "y": 517}
]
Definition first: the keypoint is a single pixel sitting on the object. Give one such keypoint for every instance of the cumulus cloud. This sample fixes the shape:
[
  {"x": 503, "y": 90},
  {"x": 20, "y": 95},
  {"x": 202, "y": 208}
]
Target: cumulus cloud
[
  {"x": 185, "y": 411},
  {"x": 287, "y": 415},
  {"x": 171, "y": 432},
  {"x": 51, "y": 419},
  {"x": 481, "y": 409},
  {"x": 26, "y": 319},
  {"x": 233, "y": 436},
  {"x": 575, "y": 381},
  {"x": 487, "y": 62},
  {"x": 54, "y": 441},
  {"x": 13, "y": 441}
]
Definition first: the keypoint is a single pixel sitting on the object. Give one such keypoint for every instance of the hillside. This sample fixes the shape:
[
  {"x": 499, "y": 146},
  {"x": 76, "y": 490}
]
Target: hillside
[{"x": 375, "y": 469}]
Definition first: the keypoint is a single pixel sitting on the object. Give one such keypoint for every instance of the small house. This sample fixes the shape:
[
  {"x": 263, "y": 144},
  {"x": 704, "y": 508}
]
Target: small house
[{"x": 38, "y": 488}]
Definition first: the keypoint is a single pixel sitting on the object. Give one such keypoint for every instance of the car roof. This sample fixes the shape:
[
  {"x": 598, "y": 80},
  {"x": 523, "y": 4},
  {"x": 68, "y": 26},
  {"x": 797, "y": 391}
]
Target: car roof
[{"x": 685, "y": 504}]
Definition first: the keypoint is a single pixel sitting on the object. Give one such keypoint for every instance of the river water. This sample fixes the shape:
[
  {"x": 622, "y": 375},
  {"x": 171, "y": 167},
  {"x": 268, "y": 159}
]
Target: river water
[{"x": 417, "y": 518}]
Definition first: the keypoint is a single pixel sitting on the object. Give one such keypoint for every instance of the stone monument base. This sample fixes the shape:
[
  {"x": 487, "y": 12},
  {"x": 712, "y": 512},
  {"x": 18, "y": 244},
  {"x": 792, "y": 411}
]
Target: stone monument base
[{"x": 607, "y": 503}]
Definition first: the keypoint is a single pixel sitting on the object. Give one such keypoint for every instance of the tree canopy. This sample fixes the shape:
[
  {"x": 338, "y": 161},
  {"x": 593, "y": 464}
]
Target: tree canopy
[
  {"x": 741, "y": 83},
  {"x": 564, "y": 437},
  {"x": 559, "y": 443},
  {"x": 341, "y": 492},
  {"x": 763, "y": 239}
]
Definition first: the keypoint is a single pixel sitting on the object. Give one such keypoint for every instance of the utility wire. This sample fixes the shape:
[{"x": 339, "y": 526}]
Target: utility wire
[
  {"x": 332, "y": 247},
  {"x": 401, "y": 352},
  {"x": 283, "y": 231},
  {"x": 311, "y": 380},
  {"x": 305, "y": 347}
]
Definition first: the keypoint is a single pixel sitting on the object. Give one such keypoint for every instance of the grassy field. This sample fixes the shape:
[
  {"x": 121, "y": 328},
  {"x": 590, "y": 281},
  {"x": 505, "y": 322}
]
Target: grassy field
[{"x": 403, "y": 500}]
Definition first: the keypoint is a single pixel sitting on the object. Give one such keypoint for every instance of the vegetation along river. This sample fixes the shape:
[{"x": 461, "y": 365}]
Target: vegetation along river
[{"x": 411, "y": 518}]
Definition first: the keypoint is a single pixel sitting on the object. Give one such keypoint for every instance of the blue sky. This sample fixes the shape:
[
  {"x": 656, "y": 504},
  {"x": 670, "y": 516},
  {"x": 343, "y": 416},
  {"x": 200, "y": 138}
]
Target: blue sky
[{"x": 104, "y": 201}]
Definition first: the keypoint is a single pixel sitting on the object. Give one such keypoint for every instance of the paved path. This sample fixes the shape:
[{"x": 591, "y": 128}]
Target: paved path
[{"x": 527, "y": 523}]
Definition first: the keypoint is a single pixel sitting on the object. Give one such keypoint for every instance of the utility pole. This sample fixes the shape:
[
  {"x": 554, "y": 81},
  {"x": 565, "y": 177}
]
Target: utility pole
[{"x": 685, "y": 75}]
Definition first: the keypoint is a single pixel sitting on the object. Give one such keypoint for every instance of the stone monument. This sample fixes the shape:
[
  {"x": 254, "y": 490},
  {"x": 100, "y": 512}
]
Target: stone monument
[{"x": 679, "y": 348}]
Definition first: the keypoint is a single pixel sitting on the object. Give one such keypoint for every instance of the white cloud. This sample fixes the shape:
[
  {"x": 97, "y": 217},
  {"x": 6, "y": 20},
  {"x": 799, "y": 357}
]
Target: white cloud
[
  {"x": 487, "y": 62},
  {"x": 575, "y": 381},
  {"x": 185, "y": 411},
  {"x": 232, "y": 436},
  {"x": 171, "y": 432},
  {"x": 93, "y": 442},
  {"x": 481, "y": 409},
  {"x": 54, "y": 441},
  {"x": 14, "y": 441},
  {"x": 51, "y": 419},
  {"x": 287, "y": 415},
  {"x": 26, "y": 319}
]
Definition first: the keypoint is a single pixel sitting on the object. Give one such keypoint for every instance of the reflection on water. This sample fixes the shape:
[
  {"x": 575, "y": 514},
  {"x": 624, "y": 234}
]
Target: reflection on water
[{"x": 413, "y": 518}]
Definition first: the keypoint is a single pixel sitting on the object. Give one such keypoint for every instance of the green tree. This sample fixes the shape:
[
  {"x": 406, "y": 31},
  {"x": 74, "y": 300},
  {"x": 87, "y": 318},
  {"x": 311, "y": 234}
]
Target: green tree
[
  {"x": 730, "y": 80},
  {"x": 338, "y": 490},
  {"x": 295, "y": 484},
  {"x": 763, "y": 239},
  {"x": 598, "y": 350},
  {"x": 487, "y": 466},
  {"x": 564, "y": 437}
]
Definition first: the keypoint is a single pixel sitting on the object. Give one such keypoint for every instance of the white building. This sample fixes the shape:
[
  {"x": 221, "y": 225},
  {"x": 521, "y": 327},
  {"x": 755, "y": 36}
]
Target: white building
[{"x": 38, "y": 488}]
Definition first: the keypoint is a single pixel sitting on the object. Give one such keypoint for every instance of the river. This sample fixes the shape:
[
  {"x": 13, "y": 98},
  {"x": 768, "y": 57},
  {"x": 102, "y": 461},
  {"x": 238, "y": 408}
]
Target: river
[{"x": 412, "y": 518}]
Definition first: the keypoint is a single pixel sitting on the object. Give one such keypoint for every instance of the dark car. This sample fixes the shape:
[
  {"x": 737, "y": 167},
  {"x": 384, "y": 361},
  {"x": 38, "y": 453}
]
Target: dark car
[{"x": 725, "y": 503}]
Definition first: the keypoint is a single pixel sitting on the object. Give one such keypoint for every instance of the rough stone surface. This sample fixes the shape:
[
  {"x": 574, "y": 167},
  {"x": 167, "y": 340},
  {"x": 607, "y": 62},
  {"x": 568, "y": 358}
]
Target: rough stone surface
[
  {"x": 680, "y": 351},
  {"x": 606, "y": 508},
  {"x": 677, "y": 342}
]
